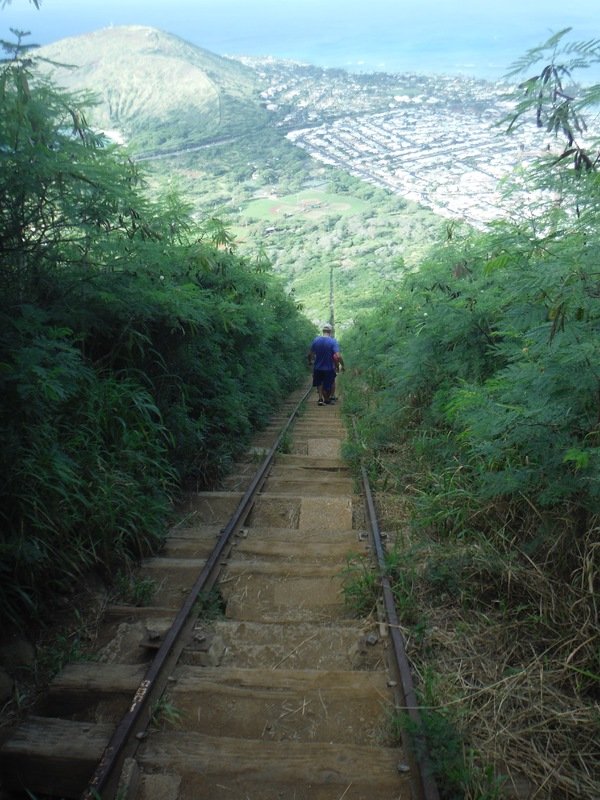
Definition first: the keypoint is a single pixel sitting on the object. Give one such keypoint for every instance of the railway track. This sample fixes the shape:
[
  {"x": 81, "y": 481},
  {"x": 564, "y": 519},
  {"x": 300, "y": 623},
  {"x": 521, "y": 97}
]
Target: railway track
[{"x": 281, "y": 695}]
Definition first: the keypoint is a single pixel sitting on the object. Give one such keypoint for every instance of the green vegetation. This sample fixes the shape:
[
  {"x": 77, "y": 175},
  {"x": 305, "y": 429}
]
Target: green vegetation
[
  {"x": 360, "y": 585},
  {"x": 285, "y": 445},
  {"x": 310, "y": 219},
  {"x": 475, "y": 389},
  {"x": 211, "y": 605},
  {"x": 138, "y": 351},
  {"x": 306, "y": 204},
  {"x": 134, "y": 589},
  {"x": 458, "y": 774},
  {"x": 205, "y": 97},
  {"x": 230, "y": 158},
  {"x": 63, "y": 650},
  {"x": 165, "y": 714},
  {"x": 141, "y": 344}
]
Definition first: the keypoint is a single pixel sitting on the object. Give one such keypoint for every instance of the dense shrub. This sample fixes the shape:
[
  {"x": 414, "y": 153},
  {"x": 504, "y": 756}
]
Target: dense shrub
[
  {"x": 137, "y": 351},
  {"x": 475, "y": 391}
]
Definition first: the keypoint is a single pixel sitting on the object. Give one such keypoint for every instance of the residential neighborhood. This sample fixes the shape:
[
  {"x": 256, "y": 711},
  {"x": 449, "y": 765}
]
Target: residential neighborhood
[{"x": 439, "y": 141}]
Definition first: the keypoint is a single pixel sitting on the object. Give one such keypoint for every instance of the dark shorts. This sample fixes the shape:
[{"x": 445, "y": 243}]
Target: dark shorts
[{"x": 325, "y": 378}]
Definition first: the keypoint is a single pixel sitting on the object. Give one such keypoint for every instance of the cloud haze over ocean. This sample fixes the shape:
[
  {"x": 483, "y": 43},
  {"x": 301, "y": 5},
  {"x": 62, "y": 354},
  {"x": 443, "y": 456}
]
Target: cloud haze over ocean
[{"x": 451, "y": 36}]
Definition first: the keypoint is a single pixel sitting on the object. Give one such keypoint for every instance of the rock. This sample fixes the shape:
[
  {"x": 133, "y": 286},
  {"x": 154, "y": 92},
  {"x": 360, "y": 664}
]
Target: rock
[
  {"x": 160, "y": 787},
  {"x": 129, "y": 781},
  {"x": 215, "y": 653},
  {"x": 125, "y": 648},
  {"x": 357, "y": 654}
]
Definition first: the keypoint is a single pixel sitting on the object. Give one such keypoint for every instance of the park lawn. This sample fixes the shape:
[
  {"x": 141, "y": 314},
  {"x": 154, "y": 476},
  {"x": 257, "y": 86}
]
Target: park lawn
[{"x": 308, "y": 203}]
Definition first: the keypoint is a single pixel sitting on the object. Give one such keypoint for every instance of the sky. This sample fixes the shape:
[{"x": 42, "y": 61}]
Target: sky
[{"x": 393, "y": 35}]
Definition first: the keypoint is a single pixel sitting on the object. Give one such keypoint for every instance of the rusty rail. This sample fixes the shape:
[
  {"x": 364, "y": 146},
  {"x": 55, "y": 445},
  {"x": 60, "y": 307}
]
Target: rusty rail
[{"x": 427, "y": 787}]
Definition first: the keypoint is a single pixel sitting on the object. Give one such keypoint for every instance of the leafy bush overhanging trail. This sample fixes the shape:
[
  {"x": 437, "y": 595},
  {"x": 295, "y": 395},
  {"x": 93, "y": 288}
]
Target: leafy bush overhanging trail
[
  {"x": 137, "y": 350},
  {"x": 478, "y": 396}
]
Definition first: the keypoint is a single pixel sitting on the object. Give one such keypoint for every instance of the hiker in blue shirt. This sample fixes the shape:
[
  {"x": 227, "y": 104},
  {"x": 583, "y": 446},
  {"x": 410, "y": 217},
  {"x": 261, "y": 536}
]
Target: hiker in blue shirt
[{"x": 325, "y": 356}]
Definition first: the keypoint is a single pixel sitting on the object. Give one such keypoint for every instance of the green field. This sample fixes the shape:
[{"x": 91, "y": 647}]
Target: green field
[{"x": 309, "y": 203}]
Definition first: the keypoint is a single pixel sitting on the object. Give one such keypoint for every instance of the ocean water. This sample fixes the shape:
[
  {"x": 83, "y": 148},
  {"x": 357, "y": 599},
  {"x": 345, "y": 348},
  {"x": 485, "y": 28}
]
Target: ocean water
[{"x": 481, "y": 38}]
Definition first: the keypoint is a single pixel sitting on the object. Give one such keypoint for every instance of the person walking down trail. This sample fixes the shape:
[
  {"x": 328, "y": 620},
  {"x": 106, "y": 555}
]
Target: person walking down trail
[{"x": 325, "y": 356}]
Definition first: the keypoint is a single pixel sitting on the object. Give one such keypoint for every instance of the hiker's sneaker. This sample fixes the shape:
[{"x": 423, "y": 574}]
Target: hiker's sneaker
[{"x": 320, "y": 402}]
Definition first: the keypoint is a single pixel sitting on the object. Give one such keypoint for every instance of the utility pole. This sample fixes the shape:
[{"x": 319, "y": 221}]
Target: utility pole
[{"x": 331, "y": 298}]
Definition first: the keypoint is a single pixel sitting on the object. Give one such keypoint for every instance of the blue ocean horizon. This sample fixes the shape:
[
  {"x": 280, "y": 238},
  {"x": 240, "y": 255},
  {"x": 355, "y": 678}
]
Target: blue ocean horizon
[
  {"x": 432, "y": 37},
  {"x": 379, "y": 55},
  {"x": 480, "y": 44}
]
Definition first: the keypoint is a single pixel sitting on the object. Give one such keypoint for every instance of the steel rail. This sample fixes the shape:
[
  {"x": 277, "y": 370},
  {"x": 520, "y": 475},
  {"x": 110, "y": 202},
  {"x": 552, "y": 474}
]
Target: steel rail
[
  {"x": 427, "y": 785},
  {"x": 103, "y": 783}
]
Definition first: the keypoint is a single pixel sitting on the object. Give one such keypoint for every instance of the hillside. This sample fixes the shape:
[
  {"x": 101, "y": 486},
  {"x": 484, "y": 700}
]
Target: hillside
[
  {"x": 200, "y": 122},
  {"x": 155, "y": 90}
]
